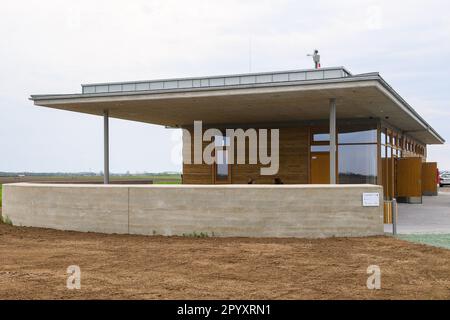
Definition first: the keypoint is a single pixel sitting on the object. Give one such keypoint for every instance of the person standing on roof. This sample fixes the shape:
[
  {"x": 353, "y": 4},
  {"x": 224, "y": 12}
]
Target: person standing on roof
[{"x": 316, "y": 58}]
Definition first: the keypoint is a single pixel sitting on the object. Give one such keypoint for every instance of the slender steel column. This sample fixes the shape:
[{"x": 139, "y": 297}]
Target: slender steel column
[
  {"x": 105, "y": 147},
  {"x": 332, "y": 141}
]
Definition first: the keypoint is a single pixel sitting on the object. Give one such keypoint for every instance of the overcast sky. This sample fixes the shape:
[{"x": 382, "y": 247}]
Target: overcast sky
[{"x": 54, "y": 46}]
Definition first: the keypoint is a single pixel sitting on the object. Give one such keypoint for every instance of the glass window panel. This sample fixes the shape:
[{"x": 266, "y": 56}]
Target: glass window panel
[
  {"x": 281, "y": 77},
  {"x": 185, "y": 84},
  {"x": 364, "y": 136},
  {"x": 383, "y": 137},
  {"x": 89, "y": 89},
  {"x": 115, "y": 87},
  {"x": 143, "y": 86},
  {"x": 221, "y": 156},
  {"x": 156, "y": 85},
  {"x": 248, "y": 79},
  {"x": 231, "y": 81},
  {"x": 297, "y": 76},
  {"x": 101, "y": 89},
  {"x": 312, "y": 75},
  {"x": 217, "y": 82},
  {"x": 358, "y": 164},
  {"x": 170, "y": 84},
  {"x": 318, "y": 137},
  {"x": 264, "y": 78},
  {"x": 383, "y": 151},
  {"x": 222, "y": 163},
  {"x": 320, "y": 148}
]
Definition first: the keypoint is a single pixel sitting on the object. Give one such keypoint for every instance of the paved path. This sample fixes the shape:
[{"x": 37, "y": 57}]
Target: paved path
[{"x": 432, "y": 216}]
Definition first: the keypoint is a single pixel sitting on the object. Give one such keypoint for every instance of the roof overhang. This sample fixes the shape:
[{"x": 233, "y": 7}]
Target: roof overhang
[{"x": 358, "y": 97}]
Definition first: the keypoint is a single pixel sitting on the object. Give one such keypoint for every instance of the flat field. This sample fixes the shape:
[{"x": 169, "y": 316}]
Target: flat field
[{"x": 162, "y": 178}]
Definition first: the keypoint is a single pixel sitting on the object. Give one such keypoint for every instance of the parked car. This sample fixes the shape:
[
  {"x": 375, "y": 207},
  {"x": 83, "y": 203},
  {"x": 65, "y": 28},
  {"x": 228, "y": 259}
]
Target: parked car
[{"x": 444, "y": 179}]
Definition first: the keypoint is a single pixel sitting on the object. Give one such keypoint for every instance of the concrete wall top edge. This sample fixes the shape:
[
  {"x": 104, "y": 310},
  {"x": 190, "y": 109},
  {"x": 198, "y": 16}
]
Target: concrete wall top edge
[{"x": 194, "y": 186}]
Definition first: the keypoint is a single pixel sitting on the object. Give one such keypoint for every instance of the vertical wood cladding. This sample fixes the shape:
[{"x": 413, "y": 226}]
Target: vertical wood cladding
[
  {"x": 196, "y": 173},
  {"x": 293, "y": 163}
]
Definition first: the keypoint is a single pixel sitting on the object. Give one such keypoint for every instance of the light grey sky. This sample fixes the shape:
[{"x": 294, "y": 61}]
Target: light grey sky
[{"x": 54, "y": 46}]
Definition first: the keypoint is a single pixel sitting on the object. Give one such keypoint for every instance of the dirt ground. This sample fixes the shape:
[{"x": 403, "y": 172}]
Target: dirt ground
[{"x": 33, "y": 265}]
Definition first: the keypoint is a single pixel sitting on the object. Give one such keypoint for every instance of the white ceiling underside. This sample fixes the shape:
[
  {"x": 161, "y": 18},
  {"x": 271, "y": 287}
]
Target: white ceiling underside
[{"x": 272, "y": 104}]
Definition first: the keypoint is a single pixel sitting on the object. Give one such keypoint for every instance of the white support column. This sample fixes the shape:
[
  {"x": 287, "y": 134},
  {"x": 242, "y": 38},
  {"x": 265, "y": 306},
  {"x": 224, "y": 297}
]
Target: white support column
[
  {"x": 105, "y": 147},
  {"x": 333, "y": 141}
]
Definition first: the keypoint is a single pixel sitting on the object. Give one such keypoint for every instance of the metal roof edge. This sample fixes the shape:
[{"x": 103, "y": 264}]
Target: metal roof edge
[{"x": 217, "y": 76}]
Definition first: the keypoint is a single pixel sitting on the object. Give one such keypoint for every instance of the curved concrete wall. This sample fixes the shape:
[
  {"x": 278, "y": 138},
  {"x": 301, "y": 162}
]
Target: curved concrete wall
[{"x": 223, "y": 210}]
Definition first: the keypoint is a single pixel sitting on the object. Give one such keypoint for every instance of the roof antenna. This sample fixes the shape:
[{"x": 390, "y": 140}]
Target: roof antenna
[
  {"x": 316, "y": 58},
  {"x": 250, "y": 54}
]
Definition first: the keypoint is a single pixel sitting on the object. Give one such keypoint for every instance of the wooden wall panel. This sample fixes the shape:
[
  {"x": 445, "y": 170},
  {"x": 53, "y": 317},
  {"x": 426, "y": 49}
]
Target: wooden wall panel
[
  {"x": 429, "y": 179},
  {"x": 409, "y": 177},
  {"x": 197, "y": 173}
]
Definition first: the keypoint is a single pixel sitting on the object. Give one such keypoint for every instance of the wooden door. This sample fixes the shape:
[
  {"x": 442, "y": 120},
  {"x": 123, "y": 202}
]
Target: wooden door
[
  {"x": 409, "y": 180},
  {"x": 320, "y": 168},
  {"x": 429, "y": 179}
]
